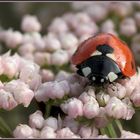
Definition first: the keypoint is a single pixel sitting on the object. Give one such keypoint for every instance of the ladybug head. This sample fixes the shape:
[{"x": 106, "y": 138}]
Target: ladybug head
[{"x": 100, "y": 68}]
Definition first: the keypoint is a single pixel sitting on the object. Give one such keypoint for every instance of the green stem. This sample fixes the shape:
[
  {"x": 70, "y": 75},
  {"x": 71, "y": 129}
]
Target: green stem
[
  {"x": 5, "y": 130},
  {"x": 118, "y": 123},
  {"x": 111, "y": 130},
  {"x": 48, "y": 110}
]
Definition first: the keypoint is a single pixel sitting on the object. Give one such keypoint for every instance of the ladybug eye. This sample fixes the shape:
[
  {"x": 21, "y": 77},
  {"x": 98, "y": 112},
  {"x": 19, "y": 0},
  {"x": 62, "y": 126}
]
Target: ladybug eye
[{"x": 96, "y": 53}]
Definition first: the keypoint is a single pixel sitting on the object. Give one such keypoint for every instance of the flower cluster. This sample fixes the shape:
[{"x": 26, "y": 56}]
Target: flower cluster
[
  {"x": 52, "y": 127},
  {"x": 40, "y": 68}
]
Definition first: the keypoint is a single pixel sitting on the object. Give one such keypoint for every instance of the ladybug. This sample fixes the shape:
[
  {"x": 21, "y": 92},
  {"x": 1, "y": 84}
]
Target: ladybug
[{"x": 104, "y": 58}]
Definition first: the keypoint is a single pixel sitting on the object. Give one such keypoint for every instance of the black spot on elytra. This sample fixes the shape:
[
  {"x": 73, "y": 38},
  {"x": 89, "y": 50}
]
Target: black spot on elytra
[{"x": 105, "y": 49}]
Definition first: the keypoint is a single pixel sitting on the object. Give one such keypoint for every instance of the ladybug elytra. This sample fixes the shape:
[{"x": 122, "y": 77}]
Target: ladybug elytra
[{"x": 104, "y": 58}]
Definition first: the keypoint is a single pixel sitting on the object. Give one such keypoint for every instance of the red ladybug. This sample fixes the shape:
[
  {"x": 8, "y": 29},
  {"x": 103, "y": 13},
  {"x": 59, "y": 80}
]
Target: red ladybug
[{"x": 104, "y": 58}]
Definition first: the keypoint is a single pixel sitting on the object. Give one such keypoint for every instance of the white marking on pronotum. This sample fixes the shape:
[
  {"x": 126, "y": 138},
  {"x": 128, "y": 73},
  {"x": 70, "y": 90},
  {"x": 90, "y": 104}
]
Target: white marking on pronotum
[
  {"x": 102, "y": 80},
  {"x": 86, "y": 71},
  {"x": 93, "y": 78},
  {"x": 112, "y": 76},
  {"x": 96, "y": 53},
  {"x": 110, "y": 55}
]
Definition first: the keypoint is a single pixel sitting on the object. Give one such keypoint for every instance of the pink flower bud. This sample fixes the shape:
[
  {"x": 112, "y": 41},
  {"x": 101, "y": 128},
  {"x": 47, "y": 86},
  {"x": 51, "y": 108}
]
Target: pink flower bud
[
  {"x": 117, "y": 90},
  {"x": 85, "y": 97},
  {"x": 71, "y": 123},
  {"x": 52, "y": 90},
  {"x": 116, "y": 108},
  {"x": 51, "y": 122},
  {"x": 62, "y": 75},
  {"x": 58, "y": 29},
  {"x": 51, "y": 43},
  {"x": 7, "y": 100},
  {"x": 75, "y": 89},
  {"x": 36, "y": 133},
  {"x": 13, "y": 38},
  {"x": 21, "y": 92},
  {"x": 23, "y": 131},
  {"x": 91, "y": 109},
  {"x": 36, "y": 120},
  {"x": 129, "y": 84},
  {"x": 102, "y": 98},
  {"x": 10, "y": 65},
  {"x": 47, "y": 132},
  {"x": 97, "y": 12},
  {"x": 73, "y": 107},
  {"x": 59, "y": 58},
  {"x": 130, "y": 109},
  {"x": 101, "y": 120},
  {"x": 42, "y": 58},
  {"x": 1, "y": 66},
  {"x": 85, "y": 131},
  {"x": 30, "y": 24},
  {"x": 135, "y": 96},
  {"x": 128, "y": 27},
  {"x": 29, "y": 73},
  {"x": 68, "y": 41},
  {"x": 129, "y": 135},
  {"x": 26, "y": 48},
  {"x": 90, "y": 29},
  {"x": 122, "y": 9},
  {"x": 47, "y": 75},
  {"x": 64, "y": 133},
  {"x": 102, "y": 137}
]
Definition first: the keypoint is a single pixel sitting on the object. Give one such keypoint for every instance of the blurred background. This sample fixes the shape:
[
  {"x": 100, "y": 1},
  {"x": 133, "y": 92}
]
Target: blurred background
[{"x": 11, "y": 14}]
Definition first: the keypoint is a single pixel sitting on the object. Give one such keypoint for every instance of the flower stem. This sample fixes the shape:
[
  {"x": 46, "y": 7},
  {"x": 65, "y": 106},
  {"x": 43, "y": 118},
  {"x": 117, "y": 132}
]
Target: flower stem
[
  {"x": 111, "y": 130},
  {"x": 5, "y": 130},
  {"x": 48, "y": 110}
]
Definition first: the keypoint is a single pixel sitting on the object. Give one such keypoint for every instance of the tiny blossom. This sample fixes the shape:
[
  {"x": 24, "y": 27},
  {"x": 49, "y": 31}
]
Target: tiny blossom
[
  {"x": 128, "y": 27},
  {"x": 102, "y": 98},
  {"x": 135, "y": 96},
  {"x": 122, "y": 9},
  {"x": 51, "y": 122},
  {"x": 65, "y": 133},
  {"x": 101, "y": 120},
  {"x": 71, "y": 123},
  {"x": 63, "y": 27},
  {"x": 97, "y": 12},
  {"x": 47, "y": 75},
  {"x": 47, "y": 132},
  {"x": 42, "y": 58},
  {"x": 27, "y": 48},
  {"x": 21, "y": 92},
  {"x": 52, "y": 90},
  {"x": 73, "y": 107},
  {"x": 68, "y": 41},
  {"x": 91, "y": 109},
  {"x": 117, "y": 90},
  {"x": 85, "y": 131},
  {"x": 129, "y": 135},
  {"x": 52, "y": 43},
  {"x": 60, "y": 57},
  {"x": 23, "y": 131},
  {"x": 29, "y": 73},
  {"x": 36, "y": 133},
  {"x": 62, "y": 75},
  {"x": 116, "y": 108},
  {"x": 30, "y": 23},
  {"x": 10, "y": 64},
  {"x": 7, "y": 100},
  {"x": 13, "y": 38},
  {"x": 89, "y": 29},
  {"x": 36, "y": 120},
  {"x": 130, "y": 109}
]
